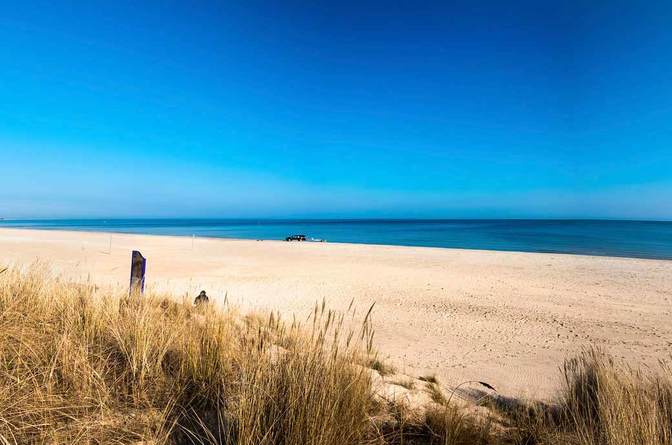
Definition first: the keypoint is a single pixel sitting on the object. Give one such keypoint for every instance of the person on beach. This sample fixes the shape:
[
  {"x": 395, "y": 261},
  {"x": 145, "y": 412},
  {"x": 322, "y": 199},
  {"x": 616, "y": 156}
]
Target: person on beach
[{"x": 201, "y": 299}]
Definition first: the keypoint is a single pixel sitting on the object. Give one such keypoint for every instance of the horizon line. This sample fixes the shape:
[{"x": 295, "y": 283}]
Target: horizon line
[{"x": 332, "y": 219}]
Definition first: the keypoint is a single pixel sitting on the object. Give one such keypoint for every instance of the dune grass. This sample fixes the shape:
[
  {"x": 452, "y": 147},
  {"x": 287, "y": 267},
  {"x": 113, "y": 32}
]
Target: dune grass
[
  {"x": 78, "y": 365},
  {"x": 602, "y": 402},
  {"x": 610, "y": 403},
  {"x": 83, "y": 365}
]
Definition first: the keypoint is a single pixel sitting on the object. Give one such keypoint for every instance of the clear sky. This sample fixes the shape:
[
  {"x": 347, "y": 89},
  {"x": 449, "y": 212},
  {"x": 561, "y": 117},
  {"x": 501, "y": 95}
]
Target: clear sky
[{"x": 336, "y": 109}]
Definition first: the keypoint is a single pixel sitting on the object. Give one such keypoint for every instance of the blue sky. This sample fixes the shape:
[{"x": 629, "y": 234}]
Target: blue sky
[{"x": 336, "y": 109}]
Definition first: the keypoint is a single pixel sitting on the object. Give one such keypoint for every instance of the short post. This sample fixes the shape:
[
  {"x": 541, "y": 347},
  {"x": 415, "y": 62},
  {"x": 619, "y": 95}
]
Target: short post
[{"x": 138, "y": 263}]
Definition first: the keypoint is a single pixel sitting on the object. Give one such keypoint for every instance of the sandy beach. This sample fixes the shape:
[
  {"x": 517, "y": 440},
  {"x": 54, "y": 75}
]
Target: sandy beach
[{"x": 506, "y": 318}]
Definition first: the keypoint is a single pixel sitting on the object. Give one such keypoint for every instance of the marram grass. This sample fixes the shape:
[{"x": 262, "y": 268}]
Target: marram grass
[{"x": 83, "y": 365}]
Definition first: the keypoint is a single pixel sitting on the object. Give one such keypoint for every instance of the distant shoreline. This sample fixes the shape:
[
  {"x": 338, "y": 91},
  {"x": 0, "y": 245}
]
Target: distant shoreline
[
  {"x": 327, "y": 242},
  {"x": 603, "y": 238},
  {"x": 335, "y": 220}
]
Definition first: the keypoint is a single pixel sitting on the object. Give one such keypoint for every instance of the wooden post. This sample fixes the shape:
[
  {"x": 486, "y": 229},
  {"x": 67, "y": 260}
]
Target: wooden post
[{"x": 138, "y": 263}]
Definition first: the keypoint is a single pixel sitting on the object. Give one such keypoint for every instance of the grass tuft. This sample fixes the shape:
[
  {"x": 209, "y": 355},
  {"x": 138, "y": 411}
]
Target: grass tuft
[
  {"x": 407, "y": 383},
  {"x": 429, "y": 379},
  {"x": 436, "y": 394},
  {"x": 383, "y": 368}
]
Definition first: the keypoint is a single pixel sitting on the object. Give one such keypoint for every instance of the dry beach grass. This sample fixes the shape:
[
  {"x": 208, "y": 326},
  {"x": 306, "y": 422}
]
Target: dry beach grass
[{"x": 82, "y": 365}]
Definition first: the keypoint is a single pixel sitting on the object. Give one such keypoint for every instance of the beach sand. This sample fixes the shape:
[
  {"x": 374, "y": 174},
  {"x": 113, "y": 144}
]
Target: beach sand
[{"x": 509, "y": 319}]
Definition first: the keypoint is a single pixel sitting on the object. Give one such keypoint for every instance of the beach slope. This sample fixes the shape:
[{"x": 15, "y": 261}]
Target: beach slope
[{"x": 506, "y": 318}]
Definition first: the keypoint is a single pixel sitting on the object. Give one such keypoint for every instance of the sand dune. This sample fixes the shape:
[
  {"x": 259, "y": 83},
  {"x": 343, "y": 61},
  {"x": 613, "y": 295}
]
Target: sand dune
[{"x": 505, "y": 318}]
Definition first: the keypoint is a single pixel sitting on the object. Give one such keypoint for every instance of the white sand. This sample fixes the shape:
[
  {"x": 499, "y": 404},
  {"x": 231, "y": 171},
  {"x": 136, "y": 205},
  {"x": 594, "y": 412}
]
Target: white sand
[{"x": 506, "y": 318}]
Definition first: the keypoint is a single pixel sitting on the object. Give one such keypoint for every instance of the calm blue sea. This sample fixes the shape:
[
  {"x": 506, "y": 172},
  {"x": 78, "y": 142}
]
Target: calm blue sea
[{"x": 643, "y": 239}]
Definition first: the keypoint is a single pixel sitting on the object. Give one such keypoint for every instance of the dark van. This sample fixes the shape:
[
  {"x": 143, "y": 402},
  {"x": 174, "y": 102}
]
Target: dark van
[{"x": 296, "y": 238}]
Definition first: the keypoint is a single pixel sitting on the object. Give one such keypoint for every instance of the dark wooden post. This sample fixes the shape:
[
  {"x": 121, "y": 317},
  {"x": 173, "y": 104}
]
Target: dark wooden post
[{"x": 138, "y": 263}]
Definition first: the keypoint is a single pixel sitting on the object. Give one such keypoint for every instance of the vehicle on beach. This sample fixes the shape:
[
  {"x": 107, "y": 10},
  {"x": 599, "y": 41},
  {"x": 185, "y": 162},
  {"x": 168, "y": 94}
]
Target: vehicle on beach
[{"x": 296, "y": 238}]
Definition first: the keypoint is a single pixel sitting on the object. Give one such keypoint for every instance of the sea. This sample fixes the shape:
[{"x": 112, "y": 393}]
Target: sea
[{"x": 638, "y": 239}]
